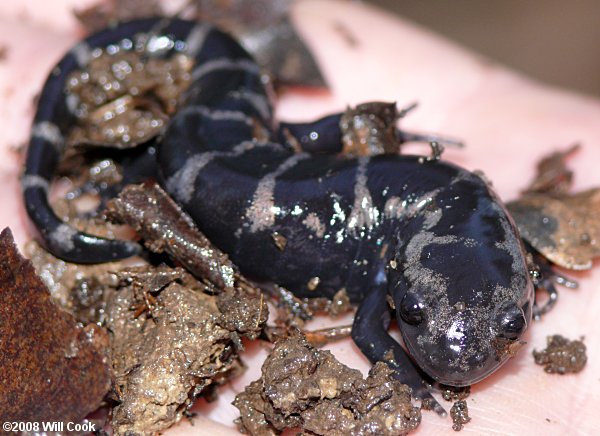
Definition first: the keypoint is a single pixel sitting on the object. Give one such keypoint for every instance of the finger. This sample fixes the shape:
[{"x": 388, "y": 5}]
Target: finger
[{"x": 55, "y": 16}]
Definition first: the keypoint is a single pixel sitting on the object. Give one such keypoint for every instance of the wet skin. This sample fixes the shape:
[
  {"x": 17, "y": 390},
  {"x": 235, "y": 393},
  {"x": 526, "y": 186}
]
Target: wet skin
[
  {"x": 431, "y": 235},
  {"x": 481, "y": 145}
]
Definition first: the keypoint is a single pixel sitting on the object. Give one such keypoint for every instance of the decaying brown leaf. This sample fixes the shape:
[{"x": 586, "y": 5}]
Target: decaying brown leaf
[
  {"x": 562, "y": 226},
  {"x": 552, "y": 175},
  {"x": 264, "y": 29},
  {"x": 53, "y": 369},
  {"x": 564, "y": 229}
]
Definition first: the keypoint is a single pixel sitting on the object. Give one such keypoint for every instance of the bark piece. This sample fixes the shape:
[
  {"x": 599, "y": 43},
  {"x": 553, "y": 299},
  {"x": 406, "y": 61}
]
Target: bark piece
[{"x": 53, "y": 369}]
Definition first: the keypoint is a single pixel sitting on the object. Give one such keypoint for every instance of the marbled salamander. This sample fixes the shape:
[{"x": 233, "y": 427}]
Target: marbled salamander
[{"x": 430, "y": 235}]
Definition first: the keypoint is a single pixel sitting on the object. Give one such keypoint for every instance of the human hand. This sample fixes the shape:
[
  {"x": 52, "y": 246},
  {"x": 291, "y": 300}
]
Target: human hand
[{"x": 506, "y": 121}]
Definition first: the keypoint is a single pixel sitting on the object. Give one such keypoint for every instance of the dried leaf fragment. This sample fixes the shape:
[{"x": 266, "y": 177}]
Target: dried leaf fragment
[
  {"x": 52, "y": 368},
  {"x": 264, "y": 29},
  {"x": 562, "y": 226},
  {"x": 563, "y": 229}
]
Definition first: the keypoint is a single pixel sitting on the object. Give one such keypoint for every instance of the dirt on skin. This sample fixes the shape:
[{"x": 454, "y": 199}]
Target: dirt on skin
[
  {"x": 561, "y": 355},
  {"x": 125, "y": 96},
  {"x": 308, "y": 389}
]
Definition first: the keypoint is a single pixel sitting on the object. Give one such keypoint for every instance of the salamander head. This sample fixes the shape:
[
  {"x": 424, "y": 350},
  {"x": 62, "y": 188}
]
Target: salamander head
[
  {"x": 463, "y": 298},
  {"x": 461, "y": 346}
]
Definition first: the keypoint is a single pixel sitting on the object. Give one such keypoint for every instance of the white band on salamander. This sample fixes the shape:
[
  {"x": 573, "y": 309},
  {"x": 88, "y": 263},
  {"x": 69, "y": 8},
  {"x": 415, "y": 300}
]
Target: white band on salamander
[
  {"x": 225, "y": 64},
  {"x": 219, "y": 115},
  {"x": 82, "y": 53},
  {"x": 195, "y": 40},
  {"x": 34, "y": 181},
  {"x": 258, "y": 101},
  {"x": 262, "y": 211},
  {"x": 62, "y": 236},
  {"x": 49, "y": 132},
  {"x": 182, "y": 184}
]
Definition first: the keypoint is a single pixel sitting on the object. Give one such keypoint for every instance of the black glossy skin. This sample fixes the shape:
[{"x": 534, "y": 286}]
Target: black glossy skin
[{"x": 430, "y": 234}]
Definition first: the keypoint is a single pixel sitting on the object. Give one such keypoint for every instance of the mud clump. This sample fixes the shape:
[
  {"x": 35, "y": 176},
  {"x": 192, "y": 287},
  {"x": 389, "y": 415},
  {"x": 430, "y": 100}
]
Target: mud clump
[
  {"x": 452, "y": 393},
  {"x": 78, "y": 289},
  {"x": 561, "y": 355},
  {"x": 242, "y": 312},
  {"x": 125, "y": 97},
  {"x": 308, "y": 389},
  {"x": 166, "y": 356},
  {"x": 459, "y": 414}
]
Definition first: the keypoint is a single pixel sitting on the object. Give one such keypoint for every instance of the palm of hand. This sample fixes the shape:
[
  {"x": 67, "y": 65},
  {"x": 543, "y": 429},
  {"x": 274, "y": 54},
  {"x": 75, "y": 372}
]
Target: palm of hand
[{"x": 506, "y": 121}]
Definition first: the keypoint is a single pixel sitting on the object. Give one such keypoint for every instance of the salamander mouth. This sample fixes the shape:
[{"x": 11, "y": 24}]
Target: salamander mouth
[
  {"x": 453, "y": 365},
  {"x": 462, "y": 380}
]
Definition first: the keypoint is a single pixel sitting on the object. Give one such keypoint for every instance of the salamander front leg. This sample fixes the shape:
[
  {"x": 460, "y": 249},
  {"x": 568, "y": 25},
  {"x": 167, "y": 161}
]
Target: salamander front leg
[
  {"x": 544, "y": 278},
  {"x": 370, "y": 335}
]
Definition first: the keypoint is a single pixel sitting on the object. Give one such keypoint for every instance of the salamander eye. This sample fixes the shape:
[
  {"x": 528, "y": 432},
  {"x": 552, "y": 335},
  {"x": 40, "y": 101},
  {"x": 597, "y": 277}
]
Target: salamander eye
[
  {"x": 411, "y": 309},
  {"x": 512, "y": 323}
]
